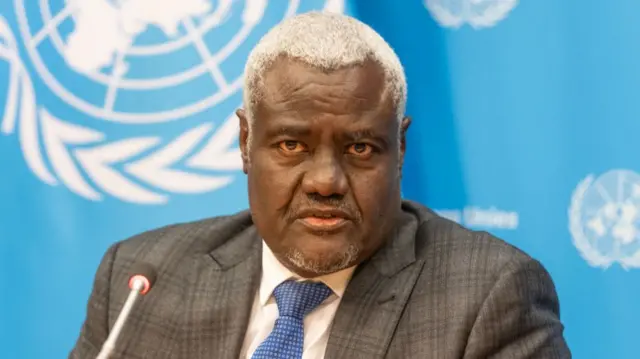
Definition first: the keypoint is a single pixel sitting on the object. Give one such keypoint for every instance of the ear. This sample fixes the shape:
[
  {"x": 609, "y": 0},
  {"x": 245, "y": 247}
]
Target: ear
[
  {"x": 404, "y": 127},
  {"x": 243, "y": 137}
]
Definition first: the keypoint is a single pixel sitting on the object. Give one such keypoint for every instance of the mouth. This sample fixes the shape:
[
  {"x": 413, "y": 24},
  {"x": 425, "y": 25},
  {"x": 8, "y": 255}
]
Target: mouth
[{"x": 324, "y": 220}]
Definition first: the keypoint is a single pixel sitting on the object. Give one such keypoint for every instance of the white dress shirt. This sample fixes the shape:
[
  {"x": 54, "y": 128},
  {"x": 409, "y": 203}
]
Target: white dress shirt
[{"x": 264, "y": 313}]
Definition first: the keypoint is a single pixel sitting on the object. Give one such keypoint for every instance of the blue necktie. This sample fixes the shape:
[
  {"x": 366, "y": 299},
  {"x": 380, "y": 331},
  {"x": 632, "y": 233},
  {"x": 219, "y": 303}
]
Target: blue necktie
[{"x": 295, "y": 300}]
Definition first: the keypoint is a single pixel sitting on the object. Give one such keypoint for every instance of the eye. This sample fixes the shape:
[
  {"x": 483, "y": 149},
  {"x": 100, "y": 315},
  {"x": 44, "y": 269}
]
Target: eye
[
  {"x": 291, "y": 146},
  {"x": 360, "y": 149}
]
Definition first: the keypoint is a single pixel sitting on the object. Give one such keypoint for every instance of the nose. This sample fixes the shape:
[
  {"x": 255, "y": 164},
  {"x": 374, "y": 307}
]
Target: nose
[{"x": 325, "y": 175}]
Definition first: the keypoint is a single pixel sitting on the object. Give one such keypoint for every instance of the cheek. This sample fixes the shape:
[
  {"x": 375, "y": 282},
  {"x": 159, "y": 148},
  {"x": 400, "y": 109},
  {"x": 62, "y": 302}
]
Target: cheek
[
  {"x": 270, "y": 186},
  {"x": 375, "y": 193}
]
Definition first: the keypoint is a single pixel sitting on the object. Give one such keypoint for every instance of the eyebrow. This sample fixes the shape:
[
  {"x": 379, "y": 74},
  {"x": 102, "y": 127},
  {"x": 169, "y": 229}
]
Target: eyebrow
[
  {"x": 300, "y": 131},
  {"x": 362, "y": 134},
  {"x": 289, "y": 130}
]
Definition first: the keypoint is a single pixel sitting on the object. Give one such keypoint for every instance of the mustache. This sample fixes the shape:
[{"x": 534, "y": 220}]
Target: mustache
[{"x": 330, "y": 202}]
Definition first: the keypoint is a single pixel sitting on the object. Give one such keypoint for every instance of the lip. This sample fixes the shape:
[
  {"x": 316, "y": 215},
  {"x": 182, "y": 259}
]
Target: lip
[
  {"x": 324, "y": 212},
  {"x": 323, "y": 220},
  {"x": 323, "y": 225}
]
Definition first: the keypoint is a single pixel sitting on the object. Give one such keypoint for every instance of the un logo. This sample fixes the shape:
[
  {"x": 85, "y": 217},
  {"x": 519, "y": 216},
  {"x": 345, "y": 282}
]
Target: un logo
[
  {"x": 476, "y": 13},
  {"x": 604, "y": 219},
  {"x": 144, "y": 91}
]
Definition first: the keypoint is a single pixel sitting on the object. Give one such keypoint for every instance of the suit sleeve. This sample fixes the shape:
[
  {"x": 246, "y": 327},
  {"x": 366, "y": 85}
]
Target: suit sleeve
[
  {"x": 520, "y": 317},
  {"x": 95, "y": 328}
]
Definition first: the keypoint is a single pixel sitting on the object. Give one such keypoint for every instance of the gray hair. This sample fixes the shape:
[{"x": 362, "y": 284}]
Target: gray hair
[{"x": 327, "y": 41}]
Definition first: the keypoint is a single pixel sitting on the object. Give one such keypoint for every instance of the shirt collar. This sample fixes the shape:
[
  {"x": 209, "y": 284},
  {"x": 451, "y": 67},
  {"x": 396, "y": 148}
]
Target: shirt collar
[{"x": 274, "y": 273}]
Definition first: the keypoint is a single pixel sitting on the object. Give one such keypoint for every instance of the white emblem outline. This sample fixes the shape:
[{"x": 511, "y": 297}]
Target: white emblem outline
[
  {"x": 445, "y": 18},
  {"x": 147, "y": 175},
  {"x": 579, "y": 238}
]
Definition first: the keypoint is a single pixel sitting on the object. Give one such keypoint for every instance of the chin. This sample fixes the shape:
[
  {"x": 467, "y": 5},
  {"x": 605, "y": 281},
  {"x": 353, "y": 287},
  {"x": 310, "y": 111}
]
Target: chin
[{"x": 320, "y": 261}]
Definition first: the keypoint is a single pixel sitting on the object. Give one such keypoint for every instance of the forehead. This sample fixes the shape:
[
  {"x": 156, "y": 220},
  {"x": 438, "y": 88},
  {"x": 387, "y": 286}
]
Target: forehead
[{"x": 293, "y": 86}]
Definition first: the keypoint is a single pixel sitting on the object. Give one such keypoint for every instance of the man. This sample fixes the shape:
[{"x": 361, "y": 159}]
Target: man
[{"x": 329, "y": 262}]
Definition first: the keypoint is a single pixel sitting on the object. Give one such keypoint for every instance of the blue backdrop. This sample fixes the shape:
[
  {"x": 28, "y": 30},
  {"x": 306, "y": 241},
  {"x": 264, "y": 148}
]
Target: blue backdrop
[{"x": 115, "y": 119}]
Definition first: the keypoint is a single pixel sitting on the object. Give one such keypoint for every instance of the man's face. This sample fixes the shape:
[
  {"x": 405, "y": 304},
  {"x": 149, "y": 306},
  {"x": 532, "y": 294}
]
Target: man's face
[{"x": 323, "y": 165}]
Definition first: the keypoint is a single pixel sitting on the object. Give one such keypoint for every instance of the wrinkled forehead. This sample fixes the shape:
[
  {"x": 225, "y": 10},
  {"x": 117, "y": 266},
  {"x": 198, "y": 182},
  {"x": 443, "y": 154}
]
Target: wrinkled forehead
[{"x": 353, "y": 89}]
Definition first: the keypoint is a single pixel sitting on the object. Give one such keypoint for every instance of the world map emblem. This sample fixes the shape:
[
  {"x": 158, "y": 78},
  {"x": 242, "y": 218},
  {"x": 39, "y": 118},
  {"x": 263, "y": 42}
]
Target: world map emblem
[
  {"x": 604, "y": 219},
  {"x": 476, "y": 13},
  {"x": 133, "y": 99}
]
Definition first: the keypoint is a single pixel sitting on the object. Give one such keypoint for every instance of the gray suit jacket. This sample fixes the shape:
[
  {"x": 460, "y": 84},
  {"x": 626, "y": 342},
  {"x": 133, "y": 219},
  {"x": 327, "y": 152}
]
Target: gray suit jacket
[{"x": 436, "y": 290}]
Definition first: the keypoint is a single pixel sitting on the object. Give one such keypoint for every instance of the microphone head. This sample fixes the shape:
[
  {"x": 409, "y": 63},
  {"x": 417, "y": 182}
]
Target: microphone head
[{"x": 142, "y": 273}]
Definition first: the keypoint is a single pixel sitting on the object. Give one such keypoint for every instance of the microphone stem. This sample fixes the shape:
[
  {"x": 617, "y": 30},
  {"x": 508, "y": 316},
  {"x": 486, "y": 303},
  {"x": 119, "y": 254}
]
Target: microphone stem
[{"x": 110, "y": 343}]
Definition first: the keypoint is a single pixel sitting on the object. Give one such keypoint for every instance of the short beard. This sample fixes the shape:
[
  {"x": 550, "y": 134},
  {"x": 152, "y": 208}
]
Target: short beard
[{"x": 341, "y": 261}]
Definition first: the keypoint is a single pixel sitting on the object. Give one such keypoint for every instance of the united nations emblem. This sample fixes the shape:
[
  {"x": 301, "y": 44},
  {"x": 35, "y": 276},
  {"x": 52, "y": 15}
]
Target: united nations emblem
[
  {"x": 133, "y": 99},
  {"x": 604, "y": 219},
  {"x": 477, "y": 13}
]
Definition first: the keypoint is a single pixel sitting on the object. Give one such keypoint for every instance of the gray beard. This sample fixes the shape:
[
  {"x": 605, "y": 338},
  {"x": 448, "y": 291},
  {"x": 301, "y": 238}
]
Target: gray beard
[{"x": 321, "y": 267}]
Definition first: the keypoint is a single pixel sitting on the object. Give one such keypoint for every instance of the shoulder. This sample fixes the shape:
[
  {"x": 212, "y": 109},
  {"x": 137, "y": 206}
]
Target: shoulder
[
  {"x": 472, "y": 262},
  {"x": 483, "y": 269},
  {"x": 448, "y": 242},
  {"x": 167, "y": 246},
  {"x": 498, "y": 298}
]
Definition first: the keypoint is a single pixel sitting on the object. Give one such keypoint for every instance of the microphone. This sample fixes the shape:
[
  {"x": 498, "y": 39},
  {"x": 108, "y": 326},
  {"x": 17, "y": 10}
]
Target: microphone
[{"x": 140, "y": 282}]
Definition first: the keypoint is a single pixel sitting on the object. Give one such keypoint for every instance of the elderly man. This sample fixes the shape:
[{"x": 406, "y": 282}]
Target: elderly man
[{"x": 329, "y": 262}]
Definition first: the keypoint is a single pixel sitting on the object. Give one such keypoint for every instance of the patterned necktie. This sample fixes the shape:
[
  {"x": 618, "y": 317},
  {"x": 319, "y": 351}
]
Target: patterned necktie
[{"x": 295, "y": 300}]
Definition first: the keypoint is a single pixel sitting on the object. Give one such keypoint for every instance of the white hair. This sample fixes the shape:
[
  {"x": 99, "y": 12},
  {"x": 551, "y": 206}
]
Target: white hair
[{"x": 327, "y": 41}]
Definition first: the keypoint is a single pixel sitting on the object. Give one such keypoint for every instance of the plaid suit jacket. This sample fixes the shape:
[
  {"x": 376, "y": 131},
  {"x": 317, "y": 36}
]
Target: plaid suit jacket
[{"x": 435, "y": 290}]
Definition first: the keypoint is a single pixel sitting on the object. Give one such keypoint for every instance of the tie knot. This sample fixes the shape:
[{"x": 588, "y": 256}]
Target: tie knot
[{"x": 297, "y": 299}]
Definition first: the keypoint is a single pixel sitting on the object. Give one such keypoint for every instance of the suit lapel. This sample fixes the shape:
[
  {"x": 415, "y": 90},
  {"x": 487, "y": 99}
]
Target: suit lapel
[
  {"x": 219, "y": 292},
  {"x": 375, "y": 298}
]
